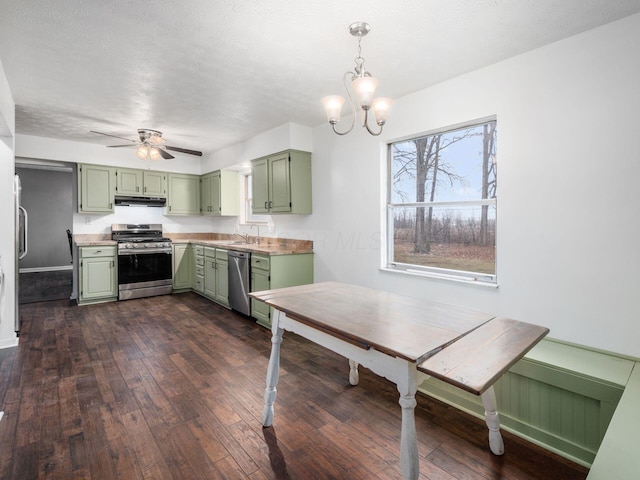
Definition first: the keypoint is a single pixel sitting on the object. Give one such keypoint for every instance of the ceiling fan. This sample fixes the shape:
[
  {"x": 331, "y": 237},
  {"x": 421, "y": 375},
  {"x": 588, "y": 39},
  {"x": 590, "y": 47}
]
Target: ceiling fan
[{"x": 150, "y": 145}]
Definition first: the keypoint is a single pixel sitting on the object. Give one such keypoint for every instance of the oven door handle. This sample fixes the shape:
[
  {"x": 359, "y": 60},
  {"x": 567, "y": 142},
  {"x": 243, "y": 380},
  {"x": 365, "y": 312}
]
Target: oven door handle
[{"x": 146, "y": 251}]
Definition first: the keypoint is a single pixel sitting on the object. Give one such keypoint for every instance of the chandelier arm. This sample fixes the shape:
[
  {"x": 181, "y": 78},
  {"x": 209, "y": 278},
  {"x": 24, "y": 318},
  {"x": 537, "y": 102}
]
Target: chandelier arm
[
  {"x": 366, "y": 124},
  {"x": 353, "y": 106}
]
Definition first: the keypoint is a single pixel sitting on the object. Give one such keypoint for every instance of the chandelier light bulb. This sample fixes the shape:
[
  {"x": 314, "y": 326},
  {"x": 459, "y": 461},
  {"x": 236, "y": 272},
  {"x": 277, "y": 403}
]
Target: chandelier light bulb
[
  {"x": 381, "y": 107},
  {"x": 365, "y": 88},
  {"x": 333, "y": 107}
]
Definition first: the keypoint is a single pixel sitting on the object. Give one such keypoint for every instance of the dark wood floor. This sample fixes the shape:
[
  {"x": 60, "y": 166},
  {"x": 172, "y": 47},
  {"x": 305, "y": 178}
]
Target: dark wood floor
[
  {"x": 172, "y": 387},
  {"x": 45, "y": 286}
]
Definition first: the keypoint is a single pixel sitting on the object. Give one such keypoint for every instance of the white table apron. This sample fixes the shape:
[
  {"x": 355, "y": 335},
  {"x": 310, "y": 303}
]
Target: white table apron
[{"x": 400, "y": 371}]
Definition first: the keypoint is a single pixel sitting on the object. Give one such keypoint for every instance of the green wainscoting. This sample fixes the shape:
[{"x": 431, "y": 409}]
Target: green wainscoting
[{"x": 560, "y": 396}]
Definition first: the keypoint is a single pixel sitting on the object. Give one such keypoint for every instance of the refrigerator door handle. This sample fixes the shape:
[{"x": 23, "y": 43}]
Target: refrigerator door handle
[{"x": 24, "y": 233}]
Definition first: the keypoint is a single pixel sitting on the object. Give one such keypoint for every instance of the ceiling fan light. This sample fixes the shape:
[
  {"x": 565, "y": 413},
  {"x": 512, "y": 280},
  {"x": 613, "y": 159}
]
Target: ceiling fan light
[
  {"x": 142, "y": 152},
  {"x": 381, "y": 107},
  {"x": 365, "y": 87},
  {"x": 154, "y": 154},
  {"x": 333, "y": 107}
]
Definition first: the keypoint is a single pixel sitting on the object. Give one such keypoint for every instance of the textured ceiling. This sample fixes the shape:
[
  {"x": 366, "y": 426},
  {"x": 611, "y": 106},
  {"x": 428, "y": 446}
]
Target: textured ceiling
[{"x": 211, "y": 73}]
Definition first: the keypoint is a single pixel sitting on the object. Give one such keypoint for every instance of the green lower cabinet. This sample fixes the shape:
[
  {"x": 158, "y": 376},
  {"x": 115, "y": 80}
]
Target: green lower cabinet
[
  {"x": 216, "y": 272},
  {"x": 182, "y": 266},
  {"x": 98, "y": 274},
  {"x": 222, "y": 277},
  {"x": 277, "y": 271},
  {"x": 198, "y": 268},
  {"x": 260, "y": 310}
]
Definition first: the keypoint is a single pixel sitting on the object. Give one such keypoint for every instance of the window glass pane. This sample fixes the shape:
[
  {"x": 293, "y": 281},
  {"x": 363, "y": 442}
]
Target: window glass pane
[
  {"x": 445, "y": 167},
  {"x": 457, "y": 238}
]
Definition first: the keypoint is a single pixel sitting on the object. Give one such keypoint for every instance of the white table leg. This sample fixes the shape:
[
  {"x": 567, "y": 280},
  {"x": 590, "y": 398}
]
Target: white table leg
[
  {"x": 408, "y": 439},
  {"x": 493, "y": 421},
  {"x": 272, "y": 372},
  {"x": 354, "y": 376}
]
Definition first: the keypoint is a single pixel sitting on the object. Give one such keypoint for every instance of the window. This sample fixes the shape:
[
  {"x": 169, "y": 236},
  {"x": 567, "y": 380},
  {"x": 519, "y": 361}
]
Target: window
[
  {"x": 246, "y": 217},
  {"x": 441, "y": 215}
]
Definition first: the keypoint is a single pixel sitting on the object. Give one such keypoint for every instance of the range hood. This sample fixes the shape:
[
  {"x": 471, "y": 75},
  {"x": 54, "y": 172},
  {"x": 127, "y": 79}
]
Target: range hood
[{"x": 125, "y": 200}]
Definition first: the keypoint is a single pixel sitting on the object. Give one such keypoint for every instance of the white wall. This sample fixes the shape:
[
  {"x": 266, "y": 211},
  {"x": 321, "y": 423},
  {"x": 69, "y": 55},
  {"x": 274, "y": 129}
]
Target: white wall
[
  {"x": 284, "y": 137},
  {"x": 568, "y": 196},
  {"x": 7, "y": 224}
]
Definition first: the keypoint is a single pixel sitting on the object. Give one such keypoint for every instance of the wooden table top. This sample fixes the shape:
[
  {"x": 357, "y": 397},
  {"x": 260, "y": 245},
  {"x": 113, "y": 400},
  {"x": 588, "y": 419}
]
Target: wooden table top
[{"x": 405, "y": 327}]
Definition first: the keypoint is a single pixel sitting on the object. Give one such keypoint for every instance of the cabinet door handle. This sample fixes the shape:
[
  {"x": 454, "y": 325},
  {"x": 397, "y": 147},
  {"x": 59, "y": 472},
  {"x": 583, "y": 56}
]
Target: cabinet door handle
[
  {"x": 265, "y": 205},
  {"x": 270, "y": 204},
  {"x": 137, "y": 189}
]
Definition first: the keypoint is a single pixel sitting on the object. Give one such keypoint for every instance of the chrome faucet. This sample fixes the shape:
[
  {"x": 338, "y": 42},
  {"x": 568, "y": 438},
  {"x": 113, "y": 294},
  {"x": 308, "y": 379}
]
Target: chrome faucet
[
  {"x": 258, "y": 227},
  {"x": 244, "y": 236}
]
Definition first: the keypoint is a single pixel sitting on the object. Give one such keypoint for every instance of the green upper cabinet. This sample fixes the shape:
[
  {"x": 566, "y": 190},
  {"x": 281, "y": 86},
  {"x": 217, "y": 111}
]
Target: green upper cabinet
[
  {"x": 141, "y": 182},
  {"x": 129, "y": 181},
  {"x": 281, "y": 183},
  {"x": 183, "y": 194},
  {"x": 96, "y": 188},
  {"x": 219, "y": 193},
  {"x": 155, "y": 183}
]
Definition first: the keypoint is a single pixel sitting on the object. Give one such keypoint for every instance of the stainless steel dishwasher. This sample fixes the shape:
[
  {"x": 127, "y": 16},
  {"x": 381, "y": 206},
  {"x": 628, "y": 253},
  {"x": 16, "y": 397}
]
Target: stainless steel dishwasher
[{"x": 239, "y": 264}]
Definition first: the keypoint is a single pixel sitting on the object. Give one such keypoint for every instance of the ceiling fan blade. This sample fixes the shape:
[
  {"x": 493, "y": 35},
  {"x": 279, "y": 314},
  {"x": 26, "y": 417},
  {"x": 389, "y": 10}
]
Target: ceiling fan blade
[
  {"x": 114, "y": 136},
  {"x": 183, "y": 150},
  {"x": 164, "y": 154},
  {"x": 116, "y": 146}
]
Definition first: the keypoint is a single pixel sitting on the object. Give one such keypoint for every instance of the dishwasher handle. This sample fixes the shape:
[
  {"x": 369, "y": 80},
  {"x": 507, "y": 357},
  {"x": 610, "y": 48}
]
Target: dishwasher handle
[{"x": 237, "y": 254}]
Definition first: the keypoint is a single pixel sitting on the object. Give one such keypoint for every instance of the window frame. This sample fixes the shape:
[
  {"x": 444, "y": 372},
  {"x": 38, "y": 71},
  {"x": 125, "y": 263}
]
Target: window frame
[
  {"x": 246, "y": 217},
  {"x": 388, "y": 264}
]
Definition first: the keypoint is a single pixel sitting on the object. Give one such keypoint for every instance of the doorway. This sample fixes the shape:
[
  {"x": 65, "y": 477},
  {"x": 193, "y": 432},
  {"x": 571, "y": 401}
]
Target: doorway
[{"x": 46, "y": 273}]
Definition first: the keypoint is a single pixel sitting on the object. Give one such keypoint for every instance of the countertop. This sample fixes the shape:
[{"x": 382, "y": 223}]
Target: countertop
[{"x": 267, "y": 245}]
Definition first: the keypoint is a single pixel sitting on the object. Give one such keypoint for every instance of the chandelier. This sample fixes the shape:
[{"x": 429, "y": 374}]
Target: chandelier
[{"x": 364, "y": 86}]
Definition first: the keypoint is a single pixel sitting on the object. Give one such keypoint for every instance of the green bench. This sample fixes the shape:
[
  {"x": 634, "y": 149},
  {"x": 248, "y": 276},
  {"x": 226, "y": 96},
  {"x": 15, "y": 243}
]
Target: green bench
[
  {"x": 618, "y": 457},
  {"x": 536, "y": 394}
]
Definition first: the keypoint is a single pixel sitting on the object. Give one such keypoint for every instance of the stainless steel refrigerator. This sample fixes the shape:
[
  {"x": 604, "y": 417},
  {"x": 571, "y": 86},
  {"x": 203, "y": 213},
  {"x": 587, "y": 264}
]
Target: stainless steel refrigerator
[{"x": 21, "y": 230}]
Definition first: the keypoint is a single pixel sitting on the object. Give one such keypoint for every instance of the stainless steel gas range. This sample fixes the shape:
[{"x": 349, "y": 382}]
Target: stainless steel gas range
[{"x": 144, "y": 260}]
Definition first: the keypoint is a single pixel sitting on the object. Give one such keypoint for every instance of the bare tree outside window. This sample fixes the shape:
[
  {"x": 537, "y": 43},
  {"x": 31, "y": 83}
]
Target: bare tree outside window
[{"x": 442, "y": 202}]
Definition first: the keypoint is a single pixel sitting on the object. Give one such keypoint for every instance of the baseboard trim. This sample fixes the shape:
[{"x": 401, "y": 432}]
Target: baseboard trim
[
  {"x": 46, "y": 269},
  {"x": 8, "y": 343}
]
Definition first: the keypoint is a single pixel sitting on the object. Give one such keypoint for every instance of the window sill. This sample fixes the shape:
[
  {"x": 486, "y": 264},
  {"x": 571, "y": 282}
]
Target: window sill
[{"x": 449, "y": 278}]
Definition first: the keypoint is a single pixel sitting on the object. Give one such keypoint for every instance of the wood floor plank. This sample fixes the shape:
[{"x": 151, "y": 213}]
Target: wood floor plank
[{"x": 172, "y": 387}]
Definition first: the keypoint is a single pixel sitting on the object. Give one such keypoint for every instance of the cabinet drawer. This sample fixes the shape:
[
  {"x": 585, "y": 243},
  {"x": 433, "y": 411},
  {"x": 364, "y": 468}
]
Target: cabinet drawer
[
  {"x": 260, "y": 261},
  {"x": 199, "y": 261},
  {"x": 222, "y": 254},
  {"x": 199, "y": 283},
  {"x": 199, "y": 249},
  {"x": 209, "y": 252},
  {"x": 199, "y": 270},
  {"x": 102, "y": 251}
]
